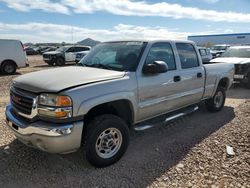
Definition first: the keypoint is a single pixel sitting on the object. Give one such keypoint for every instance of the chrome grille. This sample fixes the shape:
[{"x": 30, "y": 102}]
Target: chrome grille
[{"x": 20, "y": 102}]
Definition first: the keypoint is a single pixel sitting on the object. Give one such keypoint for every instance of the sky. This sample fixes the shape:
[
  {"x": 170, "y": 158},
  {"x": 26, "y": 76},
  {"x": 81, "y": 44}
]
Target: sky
[{"x": 103, "y": 20}]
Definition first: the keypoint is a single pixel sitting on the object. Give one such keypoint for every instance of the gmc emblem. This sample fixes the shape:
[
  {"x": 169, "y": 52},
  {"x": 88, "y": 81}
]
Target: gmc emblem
[{"x": 16, "y": 99}]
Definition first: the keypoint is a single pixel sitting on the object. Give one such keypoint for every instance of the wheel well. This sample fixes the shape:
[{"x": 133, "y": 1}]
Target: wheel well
[
  {"x": 60, "y": 57},
  {"x": 8, "y": 60},
  {"x": 223, "y": 83},
  {"x": 120, "y": 108}
]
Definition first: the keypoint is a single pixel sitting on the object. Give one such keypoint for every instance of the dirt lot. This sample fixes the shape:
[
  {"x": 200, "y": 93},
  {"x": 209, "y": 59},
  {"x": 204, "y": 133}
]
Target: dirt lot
[{"x": 190, "y": 152}]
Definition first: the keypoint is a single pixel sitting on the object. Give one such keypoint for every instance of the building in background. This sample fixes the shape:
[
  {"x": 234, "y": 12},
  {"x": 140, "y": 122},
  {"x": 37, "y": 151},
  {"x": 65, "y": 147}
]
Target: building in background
[{"x": 231, "y": 39}]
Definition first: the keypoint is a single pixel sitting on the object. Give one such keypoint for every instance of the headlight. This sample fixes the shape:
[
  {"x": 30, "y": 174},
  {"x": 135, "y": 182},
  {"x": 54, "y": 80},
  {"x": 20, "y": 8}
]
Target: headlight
[
  {"x": 56, "y": 106},
  {"x": 54, "y": 100}
]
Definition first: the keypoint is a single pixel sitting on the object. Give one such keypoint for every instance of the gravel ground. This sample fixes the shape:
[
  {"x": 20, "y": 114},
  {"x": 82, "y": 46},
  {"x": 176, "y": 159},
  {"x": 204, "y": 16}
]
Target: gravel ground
[{"x": 190, "y": 152}]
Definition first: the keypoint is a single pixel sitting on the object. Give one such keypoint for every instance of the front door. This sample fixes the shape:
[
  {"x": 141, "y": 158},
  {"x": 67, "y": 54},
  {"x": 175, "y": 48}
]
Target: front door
[
  {"x": 158, "y": 93},
  {"x": 70, "y": 54}
]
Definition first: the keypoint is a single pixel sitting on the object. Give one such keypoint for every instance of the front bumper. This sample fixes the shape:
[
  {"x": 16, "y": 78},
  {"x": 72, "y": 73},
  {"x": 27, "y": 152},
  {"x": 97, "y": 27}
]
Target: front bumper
[{"x": 49, "y": 137}]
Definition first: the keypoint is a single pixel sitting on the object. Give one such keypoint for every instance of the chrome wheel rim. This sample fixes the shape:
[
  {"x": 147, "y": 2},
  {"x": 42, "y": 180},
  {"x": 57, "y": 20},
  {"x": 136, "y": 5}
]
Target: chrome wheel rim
[
  {"x": 108, "y": 143},
  {"x": 218, "y": 99},
  {"x": 8, "y": 68}
]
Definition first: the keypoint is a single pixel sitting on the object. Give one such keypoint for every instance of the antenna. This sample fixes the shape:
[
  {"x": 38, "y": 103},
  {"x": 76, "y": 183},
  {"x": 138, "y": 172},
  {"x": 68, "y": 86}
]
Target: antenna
[{"x": 72, "y": 35}]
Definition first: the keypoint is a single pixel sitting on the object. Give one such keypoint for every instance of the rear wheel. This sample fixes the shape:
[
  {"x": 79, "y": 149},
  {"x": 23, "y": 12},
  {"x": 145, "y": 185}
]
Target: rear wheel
[
  {"x": 216, "y": 103},
  {"x": 8, "y": 67},
  {"x": 60, "y": 61},
  {"x": 107, "y": 139}
]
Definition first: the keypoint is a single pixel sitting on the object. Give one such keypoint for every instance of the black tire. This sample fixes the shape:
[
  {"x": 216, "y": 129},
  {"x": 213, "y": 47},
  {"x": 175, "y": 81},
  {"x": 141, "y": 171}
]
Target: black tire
[
  {"x": 216, "y": 103},
  {"x": 60, "y": 61},
  {"x": 96, "y": 129},
  {"x": 50, "y": 63},
  {"x": 8, "y": 67}
]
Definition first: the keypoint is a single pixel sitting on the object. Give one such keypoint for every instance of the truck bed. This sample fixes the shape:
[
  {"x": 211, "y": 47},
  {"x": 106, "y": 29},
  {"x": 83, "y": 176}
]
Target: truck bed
[{"x": 214, "y": 73}]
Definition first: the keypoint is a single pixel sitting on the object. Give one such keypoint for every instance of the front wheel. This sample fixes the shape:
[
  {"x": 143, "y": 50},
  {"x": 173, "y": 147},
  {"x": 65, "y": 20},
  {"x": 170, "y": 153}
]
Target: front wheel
[
  {"x": 216, "y": 103},
  {"x": 50, "y": 63},
  {"x": 107, "y": 139},
  {"x": 60, "y": 61},
  {"x": 8, "y": 67}
]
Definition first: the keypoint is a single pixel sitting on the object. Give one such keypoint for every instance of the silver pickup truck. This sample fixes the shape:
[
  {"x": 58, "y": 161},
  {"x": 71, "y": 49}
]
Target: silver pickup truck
[{"x": 117, "y": 86}]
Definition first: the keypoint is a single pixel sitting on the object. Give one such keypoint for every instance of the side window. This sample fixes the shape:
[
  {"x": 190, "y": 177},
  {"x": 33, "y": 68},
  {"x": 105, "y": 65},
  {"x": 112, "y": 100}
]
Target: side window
[
  {"x": 187, "y": 54},
  {"x": 162, "y": 52},
  {"x": 85, "y": 48},
  {"x": 79, "y": 49},
  {"x": 203, "y": 52},
  {"x": 72, "y": 49}
]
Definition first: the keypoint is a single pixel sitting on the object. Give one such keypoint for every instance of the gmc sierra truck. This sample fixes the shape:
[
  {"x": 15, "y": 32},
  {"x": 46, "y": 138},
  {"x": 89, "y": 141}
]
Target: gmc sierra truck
[{"x": 117, "y": 86}]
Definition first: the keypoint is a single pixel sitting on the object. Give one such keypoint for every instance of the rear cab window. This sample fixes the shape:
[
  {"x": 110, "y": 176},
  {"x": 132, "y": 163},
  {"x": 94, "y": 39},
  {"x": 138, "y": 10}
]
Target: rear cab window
[{"x": 188, "y": 55}]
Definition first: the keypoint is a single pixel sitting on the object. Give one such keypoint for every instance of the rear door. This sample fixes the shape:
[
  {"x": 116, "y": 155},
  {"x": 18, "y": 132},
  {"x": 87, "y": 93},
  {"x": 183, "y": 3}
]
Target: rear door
[{"x": 192, "y": 74}]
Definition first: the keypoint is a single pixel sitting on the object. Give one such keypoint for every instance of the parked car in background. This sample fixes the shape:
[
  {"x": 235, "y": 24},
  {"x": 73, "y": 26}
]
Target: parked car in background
[
  {"x": 31, "y": 51},
  {"x": 48, "y": 49},
  {"x": 206, "y": 56},
  {"x": 63, "y": 54},
  {"x": 240, "y": 57},
  {"x": 117, "y": 86},
  {"x": 80, "y": 55},
  {"x": 39, "y": 49},
  {"x": 12, "y": 56},
  {"x": 217, "y": 50}
]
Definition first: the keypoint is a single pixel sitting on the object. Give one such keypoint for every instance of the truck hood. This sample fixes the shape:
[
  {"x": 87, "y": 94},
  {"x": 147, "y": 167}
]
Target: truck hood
[
  {"x": 57, "y": 79},
  {"x": 233, "y": 60}
]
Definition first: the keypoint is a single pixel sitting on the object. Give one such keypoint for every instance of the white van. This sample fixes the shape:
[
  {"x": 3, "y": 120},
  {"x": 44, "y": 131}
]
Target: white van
[{"x": 12, "y": 56}]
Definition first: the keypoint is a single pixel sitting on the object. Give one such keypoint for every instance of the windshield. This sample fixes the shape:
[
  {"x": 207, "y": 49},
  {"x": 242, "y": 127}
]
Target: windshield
[
  {"x": 61, "y": 49},
  {"x": 218, "y": 48},
  {"x": 120, "y": 56},
  {"x": 237, "y": 52}
]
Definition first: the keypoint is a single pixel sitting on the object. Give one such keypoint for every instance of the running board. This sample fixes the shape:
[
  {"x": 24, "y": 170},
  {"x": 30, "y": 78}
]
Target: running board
[
  {"x": 166, "y": 118},
  {"x": 143, "y": 127},
  {"x": 186, "y": 112}
]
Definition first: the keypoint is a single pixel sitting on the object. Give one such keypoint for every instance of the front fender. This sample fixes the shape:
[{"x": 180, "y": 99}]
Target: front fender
[{"x": 87, "y": 105}]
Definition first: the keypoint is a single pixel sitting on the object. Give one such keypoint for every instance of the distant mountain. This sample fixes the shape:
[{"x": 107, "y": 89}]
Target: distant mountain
[{"x": 88, "y": 42}]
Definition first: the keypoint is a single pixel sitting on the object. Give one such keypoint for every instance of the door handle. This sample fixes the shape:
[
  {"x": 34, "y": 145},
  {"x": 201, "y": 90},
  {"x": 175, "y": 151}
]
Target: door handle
[
  {"x": 177, "y": 78},
  {"x": 199, "y": 75}
]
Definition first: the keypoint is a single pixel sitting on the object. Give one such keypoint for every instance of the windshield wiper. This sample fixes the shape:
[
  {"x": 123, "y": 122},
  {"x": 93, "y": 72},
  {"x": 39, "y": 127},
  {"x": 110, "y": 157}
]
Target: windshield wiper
[
  {"x": 83, "y": 65},
  {"x": 97, "y": 65}
]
